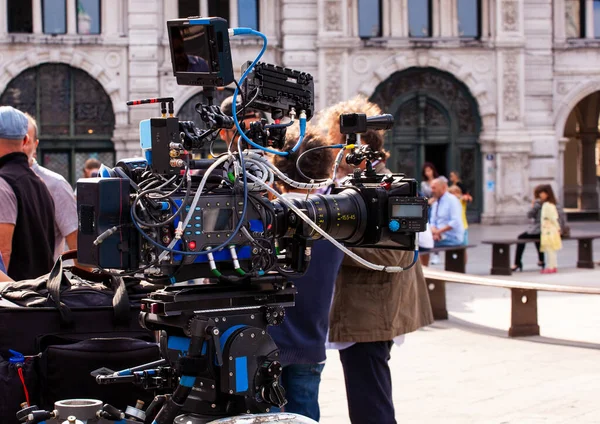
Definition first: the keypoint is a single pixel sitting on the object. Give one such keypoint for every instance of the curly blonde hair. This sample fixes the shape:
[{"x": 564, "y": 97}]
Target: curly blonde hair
[
  {"x": 316, "y": 164},
  {"x": 329, "y": 122}
]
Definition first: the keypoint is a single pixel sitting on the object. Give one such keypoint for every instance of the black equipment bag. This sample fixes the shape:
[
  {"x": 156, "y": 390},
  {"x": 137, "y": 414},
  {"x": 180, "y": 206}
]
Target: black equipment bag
[
  {"x": 64, "y": 370},
  {"x": 69, "y": 302},
  {"x": 71, "y": 322}
]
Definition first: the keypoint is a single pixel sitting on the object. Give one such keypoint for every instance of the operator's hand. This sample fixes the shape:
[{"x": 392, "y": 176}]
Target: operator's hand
[{"x": 431, "y": 201}]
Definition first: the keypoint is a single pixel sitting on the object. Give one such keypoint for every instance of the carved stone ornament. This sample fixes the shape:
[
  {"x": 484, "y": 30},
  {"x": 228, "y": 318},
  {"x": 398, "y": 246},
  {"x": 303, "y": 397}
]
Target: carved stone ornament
[
  {"x": 482, "y": 64},
  {"x": 113, "y": 59},
  {"x": 514, "y": 174},
  {"x": 333, "y": 66},
  {"x": 563, "y": 88},
  {"x": 510, "y": 77},
  {"x": 333, "y": 19},
  {"x": 360, "y": 64},
  {"x": 510, "y": 15}
]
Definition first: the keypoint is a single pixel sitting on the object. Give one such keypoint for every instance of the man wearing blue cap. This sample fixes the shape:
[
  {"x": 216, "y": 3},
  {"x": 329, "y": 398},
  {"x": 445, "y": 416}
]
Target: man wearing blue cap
[
  {"x": 26, "y": 207},
  {"x": 65, "y": 205}
]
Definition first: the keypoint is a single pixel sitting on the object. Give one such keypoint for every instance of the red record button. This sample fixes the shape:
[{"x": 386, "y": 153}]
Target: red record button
[{"x": 192, "y": 245}]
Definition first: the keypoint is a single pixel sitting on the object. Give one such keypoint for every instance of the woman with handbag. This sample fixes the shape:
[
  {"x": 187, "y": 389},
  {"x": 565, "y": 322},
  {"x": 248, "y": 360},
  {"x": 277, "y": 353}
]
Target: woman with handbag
[
  {"x": 550, "y": 241},
  {"x": 533, "y": 232}
]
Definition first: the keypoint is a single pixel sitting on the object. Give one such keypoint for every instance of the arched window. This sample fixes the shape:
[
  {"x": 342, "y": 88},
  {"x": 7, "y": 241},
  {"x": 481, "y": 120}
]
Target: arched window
[
  {"x": 74, "y": 115},
  {"x": 187, "y": 112}
]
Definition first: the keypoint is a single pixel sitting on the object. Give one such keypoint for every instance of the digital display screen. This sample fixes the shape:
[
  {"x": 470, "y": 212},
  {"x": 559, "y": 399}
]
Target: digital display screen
[
  {"x": 407, "y": 211},
  {"x": 217, "y": 220},
  {"x": 190, "y": 50}
]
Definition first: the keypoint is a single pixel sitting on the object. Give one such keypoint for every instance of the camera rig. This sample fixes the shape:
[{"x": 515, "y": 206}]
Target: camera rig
[{"x": 224, "y": 252}]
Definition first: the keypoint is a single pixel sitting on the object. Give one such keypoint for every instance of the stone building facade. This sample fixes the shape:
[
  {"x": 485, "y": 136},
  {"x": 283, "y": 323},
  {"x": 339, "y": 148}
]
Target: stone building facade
[{"x": 506, "y": 92}]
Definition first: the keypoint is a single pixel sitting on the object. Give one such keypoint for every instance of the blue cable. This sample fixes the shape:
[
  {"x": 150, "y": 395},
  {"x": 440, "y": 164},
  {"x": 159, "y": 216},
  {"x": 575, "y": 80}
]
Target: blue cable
[
  {"x": 240, "y": 31},
  {"x": 302, "y": 132},
  {"x": 415, "y": 258}
]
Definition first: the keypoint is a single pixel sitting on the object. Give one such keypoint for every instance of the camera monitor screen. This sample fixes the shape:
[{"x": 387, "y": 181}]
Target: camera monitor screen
[
  {"x": 407, "y": 211},
  {"x": 200, "y": 51},
  {"x": 190, "y": 49},
  {"x": 217, "y": 220}
]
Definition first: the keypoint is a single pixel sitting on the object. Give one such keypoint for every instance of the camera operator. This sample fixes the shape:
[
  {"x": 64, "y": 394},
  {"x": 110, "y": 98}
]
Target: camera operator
[
  {"x": 371, "y": 310},
  {"x": 302, "y": 335}
]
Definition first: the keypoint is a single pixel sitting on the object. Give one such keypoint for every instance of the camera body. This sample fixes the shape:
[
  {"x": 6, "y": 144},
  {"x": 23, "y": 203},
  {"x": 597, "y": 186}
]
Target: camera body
[{"x": 170, "y": 218}]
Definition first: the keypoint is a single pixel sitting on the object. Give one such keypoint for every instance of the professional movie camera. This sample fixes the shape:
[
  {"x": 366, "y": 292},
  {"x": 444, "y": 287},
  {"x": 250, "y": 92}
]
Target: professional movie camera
[{"x": 205, "y": 229}]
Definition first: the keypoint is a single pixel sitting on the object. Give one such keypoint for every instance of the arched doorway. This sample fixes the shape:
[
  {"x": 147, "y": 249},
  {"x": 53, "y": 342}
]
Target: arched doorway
[
  {"x": 581, "y": 155},
  {"x": 187, "y": 112},
  {"x": 436, "y": 120},
  {"x": 74, "y": 115}
]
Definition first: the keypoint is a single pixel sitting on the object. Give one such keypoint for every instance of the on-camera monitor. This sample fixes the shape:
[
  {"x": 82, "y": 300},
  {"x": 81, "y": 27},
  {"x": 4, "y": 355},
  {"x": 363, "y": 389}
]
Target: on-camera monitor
[
  {"x": 190, "y": 48},
  {"x": 407, "y": 211},
  {"x": 217, "y": 220}
]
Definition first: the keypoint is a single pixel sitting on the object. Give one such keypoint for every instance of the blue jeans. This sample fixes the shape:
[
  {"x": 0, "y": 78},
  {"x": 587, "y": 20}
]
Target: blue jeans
[
  {"x": 448, "y": 242},
  {"x": 301, "y": 384}
]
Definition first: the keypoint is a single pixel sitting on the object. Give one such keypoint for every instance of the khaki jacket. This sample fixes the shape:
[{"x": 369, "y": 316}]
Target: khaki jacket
[{"x": 371, "y": 306}]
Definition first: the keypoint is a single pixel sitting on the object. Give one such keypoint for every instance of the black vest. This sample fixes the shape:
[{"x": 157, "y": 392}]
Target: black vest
[{"x": 33, "y": 240}]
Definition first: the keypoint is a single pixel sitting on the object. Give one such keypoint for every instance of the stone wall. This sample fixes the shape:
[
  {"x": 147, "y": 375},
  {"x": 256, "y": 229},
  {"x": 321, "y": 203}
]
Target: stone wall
[{"x": 525, "y": 75}]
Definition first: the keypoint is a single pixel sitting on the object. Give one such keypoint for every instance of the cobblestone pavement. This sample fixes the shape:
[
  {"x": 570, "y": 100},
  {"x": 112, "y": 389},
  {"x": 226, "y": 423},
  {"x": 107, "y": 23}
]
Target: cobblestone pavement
[{"x": 466, "y": 370}]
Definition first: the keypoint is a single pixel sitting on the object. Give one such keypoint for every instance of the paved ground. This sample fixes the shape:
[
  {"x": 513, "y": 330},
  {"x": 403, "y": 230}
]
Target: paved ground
[{"x": 466, "y": 370}]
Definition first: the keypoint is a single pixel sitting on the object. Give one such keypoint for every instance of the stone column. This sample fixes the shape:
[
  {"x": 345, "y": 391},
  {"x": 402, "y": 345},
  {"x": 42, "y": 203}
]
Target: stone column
[
  {"x": 332, "y": 27},
  {"x": 36, "y": 11},
  {"x": 71, "y": 17},
  {"x": 589, "y": 18},
  {"x": 562, "y": 146},
  {"x": 3, "y": 22},
  {"x": 589, "y": 182},
  {"x": 489, "y": 175},
  {"x": 507, "y": 190},
  {"x": 399, "y": 18}
]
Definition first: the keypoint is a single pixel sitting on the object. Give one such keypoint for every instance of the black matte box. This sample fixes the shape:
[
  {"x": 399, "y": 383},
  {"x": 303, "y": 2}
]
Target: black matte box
[{"x": 103, "y": 203}]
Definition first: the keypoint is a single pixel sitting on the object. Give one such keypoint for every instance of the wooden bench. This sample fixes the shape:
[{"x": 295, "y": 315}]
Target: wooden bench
[
  {"x": 455, "y": 256},
  {"x": 502, "y": 260},
  {"x": 523, "y": 317}
]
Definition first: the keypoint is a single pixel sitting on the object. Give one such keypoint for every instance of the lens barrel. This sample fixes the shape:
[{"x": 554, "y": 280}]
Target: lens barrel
[{"x": 342, "y": 215}]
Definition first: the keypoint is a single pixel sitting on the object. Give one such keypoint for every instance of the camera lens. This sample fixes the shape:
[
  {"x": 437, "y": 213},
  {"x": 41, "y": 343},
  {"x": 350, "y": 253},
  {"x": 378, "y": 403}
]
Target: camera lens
[{"x": 342, "y": 215}]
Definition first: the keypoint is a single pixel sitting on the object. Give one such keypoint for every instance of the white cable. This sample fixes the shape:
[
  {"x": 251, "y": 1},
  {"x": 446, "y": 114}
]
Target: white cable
[
  {"x": 286, "y": 179},
  {"x": 254, "y": 168},
  {"x": 267, "y": 176},
  {"x": 188, "y": 217},
  {"x": 336, "y": 164},
  {"x": 319, "y": 230}
]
